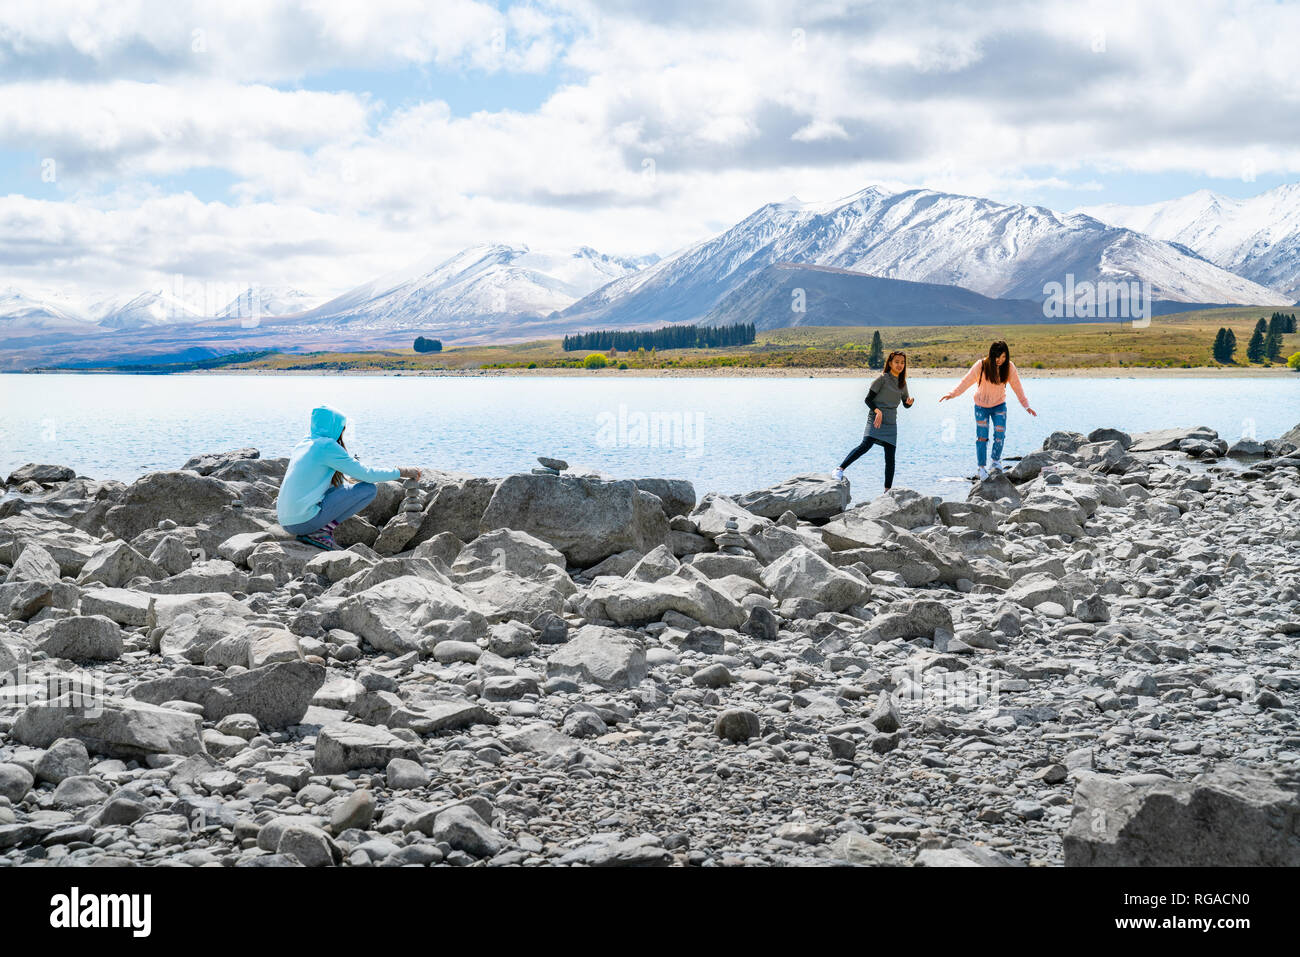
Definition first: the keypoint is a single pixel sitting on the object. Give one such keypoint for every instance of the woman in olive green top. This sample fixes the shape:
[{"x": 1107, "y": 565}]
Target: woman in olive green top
[{"x": 883, "y": 398}]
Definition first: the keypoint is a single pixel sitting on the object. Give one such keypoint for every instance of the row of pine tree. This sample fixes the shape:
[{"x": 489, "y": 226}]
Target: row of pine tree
[
  {"x": 669, "y": 337},
  {"x": 1265, "y": 343}
]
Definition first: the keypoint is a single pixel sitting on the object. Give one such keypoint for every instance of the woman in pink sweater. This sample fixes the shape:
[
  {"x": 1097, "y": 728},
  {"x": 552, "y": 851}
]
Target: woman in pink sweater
[{"x": 993, "y": 374}]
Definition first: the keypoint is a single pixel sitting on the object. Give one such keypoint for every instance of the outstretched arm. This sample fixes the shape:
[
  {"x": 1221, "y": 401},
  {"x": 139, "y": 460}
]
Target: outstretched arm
[
  {"x": 1013, "y": 379},
  {"x": 339, "y": 460},
  {"x": 967, "y": 381}
]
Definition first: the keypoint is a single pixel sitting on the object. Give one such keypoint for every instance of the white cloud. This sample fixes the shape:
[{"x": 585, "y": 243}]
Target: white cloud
[{"x": 668, "y": 127}]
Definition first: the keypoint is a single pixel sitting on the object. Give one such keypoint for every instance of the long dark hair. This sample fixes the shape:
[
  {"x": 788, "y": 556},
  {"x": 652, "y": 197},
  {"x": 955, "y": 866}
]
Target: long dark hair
[
  {"x": 337, "y": 480},
  {"x": 902, "y": 376},
  {"x": 989, "y": 369}
]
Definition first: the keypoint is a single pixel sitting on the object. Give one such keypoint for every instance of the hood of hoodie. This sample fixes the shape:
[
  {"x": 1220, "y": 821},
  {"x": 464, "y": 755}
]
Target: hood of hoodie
[{"x": 327, "y": 423}]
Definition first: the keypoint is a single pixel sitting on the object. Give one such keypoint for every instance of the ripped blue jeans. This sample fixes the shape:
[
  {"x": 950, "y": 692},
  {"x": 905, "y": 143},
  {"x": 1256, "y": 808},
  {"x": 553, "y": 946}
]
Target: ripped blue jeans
[{"x": 998, "y": 414}]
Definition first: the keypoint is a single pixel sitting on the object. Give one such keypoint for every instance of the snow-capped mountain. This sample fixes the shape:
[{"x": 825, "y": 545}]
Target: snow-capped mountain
[
  {"x": 269, "y": 301},
  {"x": 158, "y": 307},
  {"x": 23, "y": 312},
  {"x": 482, "y": 283},
  {"x": 999, "y": 250},
  {"x": 1258, "y": 238}
]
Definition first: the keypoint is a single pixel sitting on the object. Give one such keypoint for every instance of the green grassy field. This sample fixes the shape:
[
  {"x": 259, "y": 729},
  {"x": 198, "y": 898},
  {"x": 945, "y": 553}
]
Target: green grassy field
[{"x": 1182, "y": 340}]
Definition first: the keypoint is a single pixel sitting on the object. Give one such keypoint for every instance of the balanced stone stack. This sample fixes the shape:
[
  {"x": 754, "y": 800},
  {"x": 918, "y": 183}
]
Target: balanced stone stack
[
  {"x": 731, "y": 542},
  {"x": 550, "y": 466},
  {"x": 403, "y": 526}
]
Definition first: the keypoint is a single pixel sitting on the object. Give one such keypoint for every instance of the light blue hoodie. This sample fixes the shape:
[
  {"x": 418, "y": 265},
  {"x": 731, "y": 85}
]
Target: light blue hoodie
[{"x": 312, "y": 465}]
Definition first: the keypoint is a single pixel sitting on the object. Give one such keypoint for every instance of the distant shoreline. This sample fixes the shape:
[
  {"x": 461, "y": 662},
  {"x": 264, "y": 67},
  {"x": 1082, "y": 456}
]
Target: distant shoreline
[{"x": 743, "y": 372}]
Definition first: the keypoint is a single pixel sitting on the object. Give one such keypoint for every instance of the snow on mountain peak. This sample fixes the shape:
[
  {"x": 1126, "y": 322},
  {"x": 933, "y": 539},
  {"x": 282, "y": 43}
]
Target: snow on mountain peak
[
  {"x": 997, "y": 249},
  {"x": 1257, "y": 237}
]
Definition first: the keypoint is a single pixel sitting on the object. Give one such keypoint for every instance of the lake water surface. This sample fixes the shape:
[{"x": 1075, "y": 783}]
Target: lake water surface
[{"x": 725, "y": 434}]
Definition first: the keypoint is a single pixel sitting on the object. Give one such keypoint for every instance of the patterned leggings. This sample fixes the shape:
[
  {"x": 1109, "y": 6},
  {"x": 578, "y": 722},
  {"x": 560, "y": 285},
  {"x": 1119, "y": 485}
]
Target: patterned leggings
[{"x": 998, "y": 414}]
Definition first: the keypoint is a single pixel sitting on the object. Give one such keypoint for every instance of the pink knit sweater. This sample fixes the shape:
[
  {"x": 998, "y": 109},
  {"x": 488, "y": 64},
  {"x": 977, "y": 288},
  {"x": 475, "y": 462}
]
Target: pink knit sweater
[{"x": 989, "y": 393}]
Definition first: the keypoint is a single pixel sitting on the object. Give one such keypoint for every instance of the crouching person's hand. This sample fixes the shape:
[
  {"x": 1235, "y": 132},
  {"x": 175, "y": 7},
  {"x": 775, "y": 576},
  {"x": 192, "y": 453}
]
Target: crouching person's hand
[{"x": 409, "y": 473}]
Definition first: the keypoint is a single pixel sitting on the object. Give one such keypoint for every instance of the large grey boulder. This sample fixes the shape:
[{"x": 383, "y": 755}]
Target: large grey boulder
[
  {"x": 854, "y": 529},
  {"x": 972, "y": 514},
  {"x": 44, "y": 474},
  {"x": 630, "y": 602},
  {"x": 209, "y": 462},
  {"x": 15, "y": 782},
  {"x": 222, "y": 525},
  {"x": 677, "y": 495},
  {"x": 461, "y": 828},
  {"x": 919, "y": 618},
  {"x": 21, "y": 600},
  {"x": 1100, "y": 456},
  {"x": 386, "y": 569},
  {"x": 13, "y": 655},
  {"x": 1291, "y": 437},
  {"x": 658, "y": 564},
  {"x": 186, "y": 498},
  {"x": 586, "y": 519},
  {"x": 78, "y": 638},
  {"x": 1034, "y": 589},
  {"x": 124, "y": 606},
  {"x": 1111, "y": 435},
  {"x": 282, "y": 560},
  {"x": 770, "y": 543},
  {"x": 1162, "y": 440},
  {"x": 1230, "y": 816},
  {"x": 454, "y": 504},
  {"x": 900, "y": 506},
  {"x": 270, "y": 471},
  {"x": 238, "y": 547},
  {"x": 397, "y": 615},
  {"x": 115, "y": 564},
  {"x": 714, "y": 511},
  {"x": 800, "y": 573},
  {"x": 81, "y": 503},
  {"x": 70, "y": 547},
  {"x": 1056, "y": 511},
  {"x": 165, "y": 609},
  {"x": 601, "y": 656},
  {"x": 1247, "y": 449},
  {"x": 216, "y": 575},
  {"x": 507, "y": 596},
  {"x": 346, "y": 747},
  {"x": 1032, "y": 465},
  {"x": 277, "y": 694},
  {"x": 997, "y": 487},
  {"x": 1063, "y": 441},
  {"x": 252, "y": 647},
  {"x": 116, "y": 727},
  {"x": 506, "y": 549},
  {"x": 34, "y": 564},
  {"x": 810, "y": 497}
]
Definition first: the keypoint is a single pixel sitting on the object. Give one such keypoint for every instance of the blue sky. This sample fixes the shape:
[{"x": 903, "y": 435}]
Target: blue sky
[{"x": 321, "y": 145}]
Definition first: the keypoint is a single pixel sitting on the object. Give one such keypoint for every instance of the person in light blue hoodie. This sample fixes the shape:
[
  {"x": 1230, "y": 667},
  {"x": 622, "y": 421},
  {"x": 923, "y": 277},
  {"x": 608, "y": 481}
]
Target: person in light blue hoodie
[{"x": 313, "y": 498}]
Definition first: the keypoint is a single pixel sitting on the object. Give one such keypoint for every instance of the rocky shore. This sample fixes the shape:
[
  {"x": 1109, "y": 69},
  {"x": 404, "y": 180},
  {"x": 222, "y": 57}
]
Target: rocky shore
[{"x": 1092, "y": 660}]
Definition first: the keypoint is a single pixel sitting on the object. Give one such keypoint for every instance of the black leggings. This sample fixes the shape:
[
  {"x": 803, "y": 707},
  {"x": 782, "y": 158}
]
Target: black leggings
[{"x": 867, "y": 443}]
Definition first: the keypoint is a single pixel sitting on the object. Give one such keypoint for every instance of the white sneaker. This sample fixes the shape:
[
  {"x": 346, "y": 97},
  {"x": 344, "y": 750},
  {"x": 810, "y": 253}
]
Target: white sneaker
[
  {"x": 839, "y": 475},
  {"x": 997, "y": 466},
  {"x": 983, "y": 473}
]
